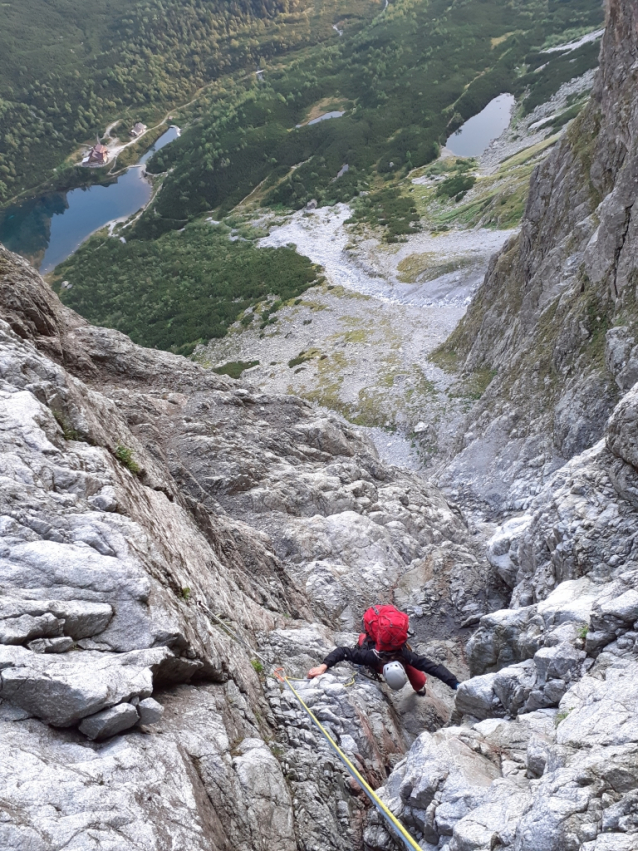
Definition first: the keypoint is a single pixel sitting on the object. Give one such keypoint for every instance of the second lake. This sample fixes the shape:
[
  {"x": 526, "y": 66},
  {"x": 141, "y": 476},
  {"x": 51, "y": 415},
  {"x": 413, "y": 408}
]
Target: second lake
[{"x": 473, "y": 137}]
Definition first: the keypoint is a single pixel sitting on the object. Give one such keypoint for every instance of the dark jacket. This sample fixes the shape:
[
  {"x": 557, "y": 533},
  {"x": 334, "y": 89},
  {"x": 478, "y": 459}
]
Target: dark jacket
[{"x": 374, "y": 660}]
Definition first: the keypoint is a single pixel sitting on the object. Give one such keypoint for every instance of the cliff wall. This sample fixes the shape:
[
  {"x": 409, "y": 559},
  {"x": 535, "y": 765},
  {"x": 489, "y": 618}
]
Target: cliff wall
[
  {"x": 556, "y": 319},
  {"x": 138, "y": 493}
]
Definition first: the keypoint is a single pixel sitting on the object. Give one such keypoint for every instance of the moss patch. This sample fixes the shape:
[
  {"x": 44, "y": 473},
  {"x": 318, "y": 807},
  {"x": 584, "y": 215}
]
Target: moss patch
[{"x": 235, "y": 368}]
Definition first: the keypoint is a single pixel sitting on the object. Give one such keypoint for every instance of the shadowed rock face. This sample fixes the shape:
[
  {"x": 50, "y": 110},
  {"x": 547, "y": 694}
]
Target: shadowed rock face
[
  {"x": 137, "y": 492},
  {"x": 556, "y": 316}
]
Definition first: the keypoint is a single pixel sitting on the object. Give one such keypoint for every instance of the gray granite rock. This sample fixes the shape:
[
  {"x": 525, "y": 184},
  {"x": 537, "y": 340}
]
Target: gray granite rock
[
  {"x": 63, "y": 689},
  {"x": 19, "y": 630},
  {"x": 62, "y": 644},
  {"x": 277, "y": 519},
  {"x": 149, "y": 710},
  {"x": 109, "y": 722}
]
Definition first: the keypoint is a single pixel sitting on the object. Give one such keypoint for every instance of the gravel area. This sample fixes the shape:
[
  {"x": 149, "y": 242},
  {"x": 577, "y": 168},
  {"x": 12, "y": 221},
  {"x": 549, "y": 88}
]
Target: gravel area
[
  {"x": 368, "y": 266},
  {"x": 395, "y": 448},
  {"x": 359, "y": 343}
]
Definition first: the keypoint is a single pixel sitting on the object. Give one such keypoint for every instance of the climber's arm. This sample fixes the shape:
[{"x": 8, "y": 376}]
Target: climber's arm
[
  {"x": 422, "y": 663},
  {"x": 345, "y": 654}
]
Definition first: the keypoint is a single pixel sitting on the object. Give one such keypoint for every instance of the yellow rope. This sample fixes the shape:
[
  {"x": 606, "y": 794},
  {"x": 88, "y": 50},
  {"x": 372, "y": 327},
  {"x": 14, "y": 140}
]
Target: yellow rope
[
  {"x": 392, "y": 820},
  {"x": 383, "y": 809}
]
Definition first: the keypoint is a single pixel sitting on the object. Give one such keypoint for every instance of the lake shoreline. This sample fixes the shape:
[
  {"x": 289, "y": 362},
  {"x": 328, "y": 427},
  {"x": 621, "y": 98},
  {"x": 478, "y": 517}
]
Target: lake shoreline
[{"x": 49, "y": 227}]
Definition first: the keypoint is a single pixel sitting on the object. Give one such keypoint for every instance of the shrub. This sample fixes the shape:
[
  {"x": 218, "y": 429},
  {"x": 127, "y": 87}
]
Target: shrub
[
  {"x": 67, "y": 429},
  {"x": 456, "y": 184},
  {"x": 125, "y": 456}
]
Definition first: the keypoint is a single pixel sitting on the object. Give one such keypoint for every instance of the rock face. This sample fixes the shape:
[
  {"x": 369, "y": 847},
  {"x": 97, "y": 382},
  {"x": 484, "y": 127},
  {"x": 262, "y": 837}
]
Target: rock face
[
  {"x": 555, "y": 320},
  {"x": 547, "y": 757},
  {"x": 158, "y": 522},
  {"x": 139, "y": 493},
  {"x": 545, "y": 754}
]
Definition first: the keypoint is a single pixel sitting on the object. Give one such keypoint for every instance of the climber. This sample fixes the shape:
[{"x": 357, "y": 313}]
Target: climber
[{"x": 383, "y": 647}]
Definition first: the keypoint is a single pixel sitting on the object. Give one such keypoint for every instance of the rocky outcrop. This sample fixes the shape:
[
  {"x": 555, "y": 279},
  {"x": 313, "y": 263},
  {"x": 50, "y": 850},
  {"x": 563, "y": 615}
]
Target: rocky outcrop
[
  {"x": 546, "y": 758},
  {"x": 141, "y": 495},
  {"x": 555, "y": 320}
]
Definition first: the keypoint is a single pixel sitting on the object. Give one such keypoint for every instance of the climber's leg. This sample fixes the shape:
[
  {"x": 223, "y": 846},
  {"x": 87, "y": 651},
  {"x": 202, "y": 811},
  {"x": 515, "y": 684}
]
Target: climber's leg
[{"x": 417, "y": 678}]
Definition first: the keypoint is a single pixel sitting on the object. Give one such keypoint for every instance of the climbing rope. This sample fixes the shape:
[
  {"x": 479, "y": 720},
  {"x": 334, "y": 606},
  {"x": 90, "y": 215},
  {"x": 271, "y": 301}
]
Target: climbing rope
[
  {"x": 287, "y": 681},
  {"x": 390, "y": 818}
]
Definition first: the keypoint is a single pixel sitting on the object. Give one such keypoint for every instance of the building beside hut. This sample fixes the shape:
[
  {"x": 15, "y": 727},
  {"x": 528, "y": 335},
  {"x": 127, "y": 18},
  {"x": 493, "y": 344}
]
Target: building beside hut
[{"x": 137, "y": 130}]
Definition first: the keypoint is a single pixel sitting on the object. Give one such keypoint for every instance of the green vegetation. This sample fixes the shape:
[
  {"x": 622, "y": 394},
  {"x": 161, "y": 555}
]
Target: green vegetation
[
  {"x": 389, "y": 208},
  {"x": 67, "y": 429},
  {"x": 478, "y": 382},
  {"x": 561, "y": 716},
  {"x": 569, "y": 114},
  {"x": 445, "y": 358},
  {"x": 456, "y": 186},
  {"x": 182, "y": 289},
  {"x": 125, "y": 456},
  {"x": 234, "y": 369},
  {"x": 186, "y": 593},
  {"x": 598, "y": 310},
  {"x": 302, "y": 357},
  {"x": 413, "y": 75},
  {"x": 258, "y": 667},
  {"x": 68, "y": 67},
  {"x": 497, "y": 200}
]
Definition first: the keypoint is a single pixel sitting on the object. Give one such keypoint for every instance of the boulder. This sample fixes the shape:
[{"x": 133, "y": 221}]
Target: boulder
[
  {"x": 27, "y": 618},
  {"x": 110, "y": 721},
  {"x": 62, "y": 691},
  {"x": 82, "y": 619},
  {"x": 502, "y": 548},
  {"x": 19, "y": 630},
  {"x": 560, "y": 662},
  {"x": 503, "y": 637},
  {"x": 496, "y": 694},
  {"x": 62, "y": 644},
  {"x": 150, "y": 711}
]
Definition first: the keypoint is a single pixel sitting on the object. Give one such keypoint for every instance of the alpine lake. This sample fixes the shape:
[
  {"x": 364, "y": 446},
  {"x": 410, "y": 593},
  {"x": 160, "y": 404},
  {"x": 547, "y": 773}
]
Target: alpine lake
[{"x": 50, "y": 227}]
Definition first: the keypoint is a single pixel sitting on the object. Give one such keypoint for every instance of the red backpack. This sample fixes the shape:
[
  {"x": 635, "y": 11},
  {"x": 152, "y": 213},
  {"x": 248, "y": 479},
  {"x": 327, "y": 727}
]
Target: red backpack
[{"x": 387, "y": 626}]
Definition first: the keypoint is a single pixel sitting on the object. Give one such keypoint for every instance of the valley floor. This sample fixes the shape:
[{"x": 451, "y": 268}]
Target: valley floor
[
  {"x": 359, "y": 343},
  {"x": 363, "y": 343}
]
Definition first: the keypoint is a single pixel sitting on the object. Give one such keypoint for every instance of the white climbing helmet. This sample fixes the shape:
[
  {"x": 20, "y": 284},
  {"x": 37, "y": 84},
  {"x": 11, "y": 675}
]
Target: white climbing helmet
[{"x": 395, "y": 675}]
